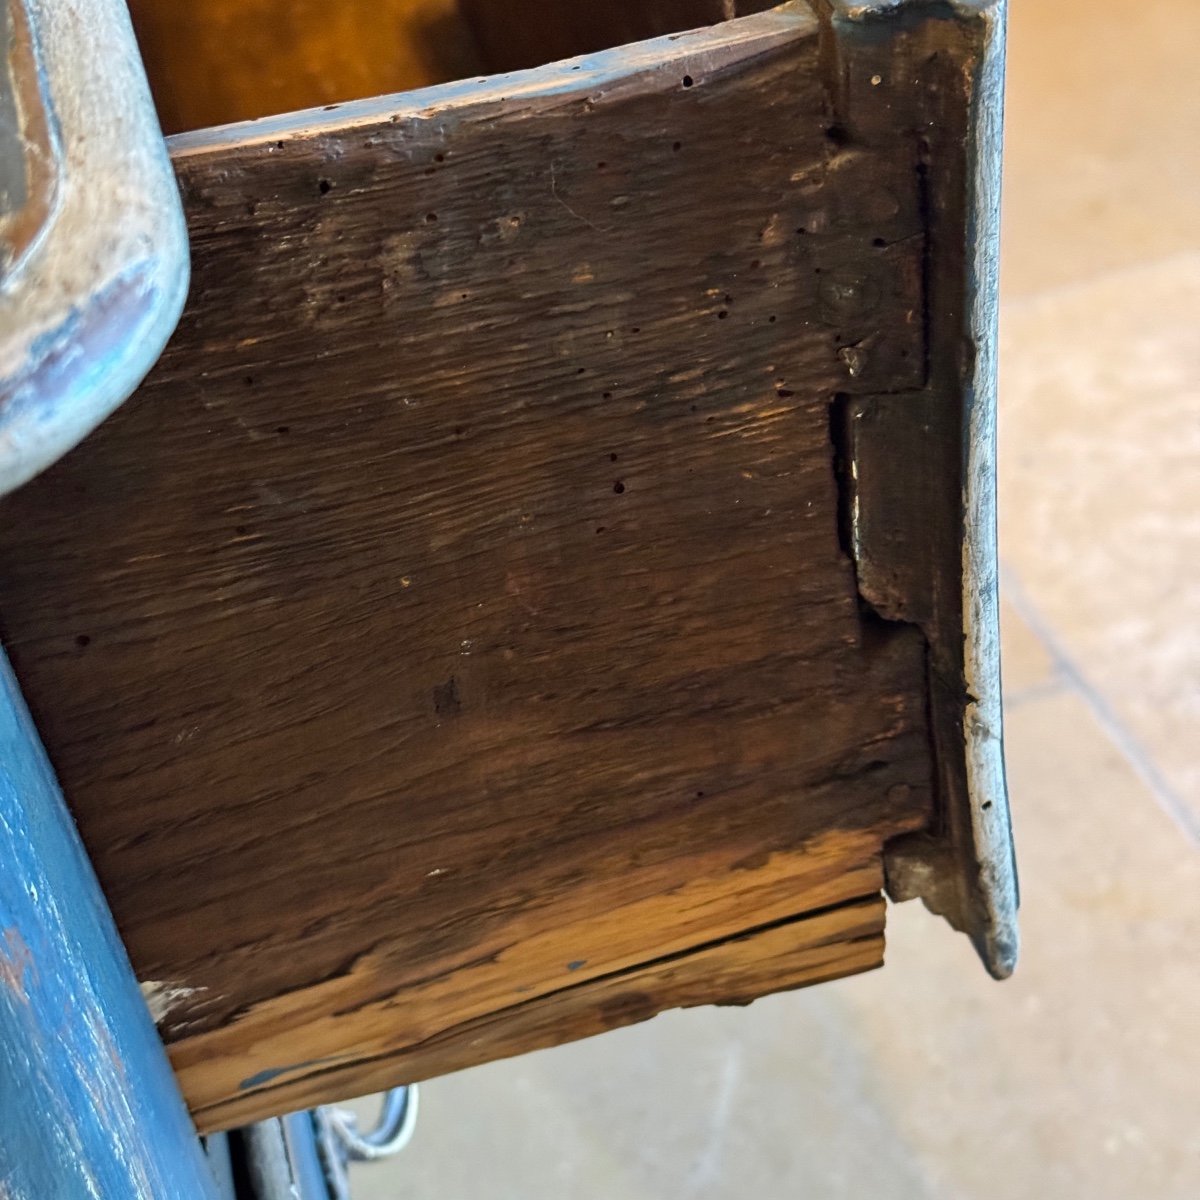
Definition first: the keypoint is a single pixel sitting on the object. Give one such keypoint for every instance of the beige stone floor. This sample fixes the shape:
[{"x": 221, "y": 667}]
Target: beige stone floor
[{"x": 1080, "y": 1077}]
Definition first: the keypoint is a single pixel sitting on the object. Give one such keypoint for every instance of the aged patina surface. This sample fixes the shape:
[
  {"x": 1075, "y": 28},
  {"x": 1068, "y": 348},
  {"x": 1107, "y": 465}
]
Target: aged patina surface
[
  {"x": 93, "y": 250},
  {"x": 536, "y": 577}
]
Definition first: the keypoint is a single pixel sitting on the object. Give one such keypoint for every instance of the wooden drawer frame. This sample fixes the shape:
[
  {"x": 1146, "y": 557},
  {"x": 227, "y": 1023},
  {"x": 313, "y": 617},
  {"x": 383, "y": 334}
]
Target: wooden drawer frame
[{"x": 569, "y": 349}]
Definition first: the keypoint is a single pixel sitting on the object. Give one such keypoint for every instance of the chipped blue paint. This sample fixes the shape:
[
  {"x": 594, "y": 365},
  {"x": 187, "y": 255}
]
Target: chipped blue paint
[
  {"x": 89, "y": 1108},
  {"x": 579, "y": 962},
  {"x": 265, "y": 1076}
]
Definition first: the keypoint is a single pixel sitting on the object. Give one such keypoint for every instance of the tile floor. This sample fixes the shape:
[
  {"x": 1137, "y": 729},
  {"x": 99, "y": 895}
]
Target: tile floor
[{"x": 1080, "y": 1077}]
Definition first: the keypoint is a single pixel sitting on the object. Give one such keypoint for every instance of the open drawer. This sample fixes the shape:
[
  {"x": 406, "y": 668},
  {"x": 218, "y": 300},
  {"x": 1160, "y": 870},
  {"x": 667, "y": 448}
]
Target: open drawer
[{"x": 549, "y": 575}]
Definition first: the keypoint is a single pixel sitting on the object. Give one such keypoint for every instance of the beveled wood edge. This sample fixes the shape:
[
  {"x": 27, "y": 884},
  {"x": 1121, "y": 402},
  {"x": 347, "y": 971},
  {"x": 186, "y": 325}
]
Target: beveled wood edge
[
  {"x": 89, "y": 304},
  {"x": 994, "y": 861},
  {"x": 607, "y": 74}
]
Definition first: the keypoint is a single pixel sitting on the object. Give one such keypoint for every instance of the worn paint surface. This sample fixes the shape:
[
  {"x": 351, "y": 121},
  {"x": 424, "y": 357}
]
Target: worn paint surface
[
  {"x": 31, "y": 164},
  {"x": 89, "y": 1109},
  {"x": 93, "y": 251},
  {"x": 161, "y": 997},
  {"x": 904, "y": 446},
  {"x": 991, "y": 856}
]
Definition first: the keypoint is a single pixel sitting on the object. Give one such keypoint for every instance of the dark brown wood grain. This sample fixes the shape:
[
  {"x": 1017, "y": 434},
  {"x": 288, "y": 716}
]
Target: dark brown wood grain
[{"x": 457, "y": 627}]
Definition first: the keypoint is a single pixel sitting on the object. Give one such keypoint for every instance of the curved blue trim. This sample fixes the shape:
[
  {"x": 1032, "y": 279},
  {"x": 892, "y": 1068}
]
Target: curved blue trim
[{"x": 89, "y": 1107}]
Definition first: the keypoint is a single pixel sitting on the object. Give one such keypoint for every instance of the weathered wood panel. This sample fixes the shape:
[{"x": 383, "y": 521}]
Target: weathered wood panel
[{"x": 458, "y": 618}]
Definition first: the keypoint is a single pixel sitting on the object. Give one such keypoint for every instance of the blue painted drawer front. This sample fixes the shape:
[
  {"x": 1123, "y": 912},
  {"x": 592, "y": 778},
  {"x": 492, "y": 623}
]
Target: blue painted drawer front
[{"x": 89, "y": 1109}]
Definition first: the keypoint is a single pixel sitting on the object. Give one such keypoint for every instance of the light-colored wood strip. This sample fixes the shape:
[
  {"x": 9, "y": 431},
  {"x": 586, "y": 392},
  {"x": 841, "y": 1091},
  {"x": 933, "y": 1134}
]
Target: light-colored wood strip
[{"x": 797, "y": 953}]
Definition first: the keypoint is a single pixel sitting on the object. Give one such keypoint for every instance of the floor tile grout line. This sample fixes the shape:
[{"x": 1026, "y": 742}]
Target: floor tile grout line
[
  {"x": 1036, "y": 691},
  {"x": 1125, "y": 741}
]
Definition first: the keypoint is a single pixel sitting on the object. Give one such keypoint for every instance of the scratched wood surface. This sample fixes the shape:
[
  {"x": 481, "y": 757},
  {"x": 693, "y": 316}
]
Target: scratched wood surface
[{"x": 452, "y": 648}]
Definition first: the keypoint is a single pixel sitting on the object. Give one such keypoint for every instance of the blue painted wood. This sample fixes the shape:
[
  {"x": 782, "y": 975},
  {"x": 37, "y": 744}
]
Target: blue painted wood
[{"x": 89, "y": 1108}]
